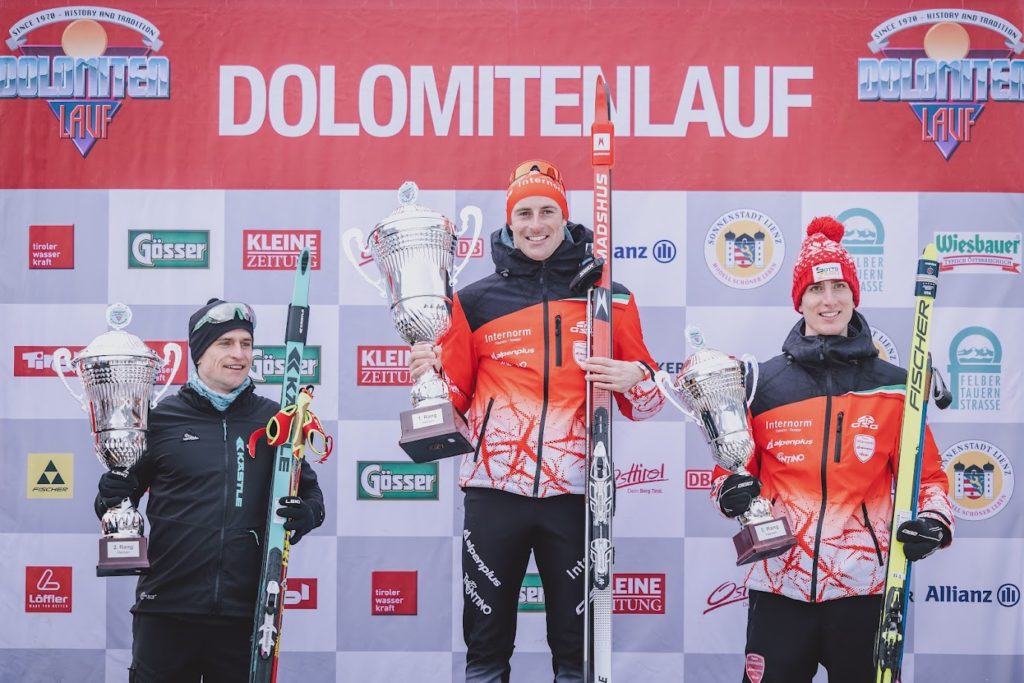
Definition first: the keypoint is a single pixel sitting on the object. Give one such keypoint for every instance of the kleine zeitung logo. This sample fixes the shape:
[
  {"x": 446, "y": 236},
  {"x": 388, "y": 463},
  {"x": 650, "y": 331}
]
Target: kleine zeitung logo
[
  {"x": 638, "y": 593},
  {"x": 279, "y": 249},
  {"x": 379, "y": 480},
  {"x": 383, "y": 366}
]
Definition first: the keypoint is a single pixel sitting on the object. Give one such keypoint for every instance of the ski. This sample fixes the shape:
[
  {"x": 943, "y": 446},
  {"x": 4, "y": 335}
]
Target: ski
[
  {"x": 600, "y": 553},
  {"x": 266, "y": 639},
  {"x": 893, "y": 619}
]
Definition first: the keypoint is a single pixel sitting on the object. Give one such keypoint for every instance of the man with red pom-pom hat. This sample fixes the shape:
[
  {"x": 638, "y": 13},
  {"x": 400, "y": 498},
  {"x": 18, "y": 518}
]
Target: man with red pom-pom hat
[{"x": 826, "y": 420}]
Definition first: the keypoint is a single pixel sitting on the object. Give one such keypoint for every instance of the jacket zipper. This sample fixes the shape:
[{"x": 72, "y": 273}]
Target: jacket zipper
[
  {"x": 824, "y": 487},
  {"x": 547, "y": 362},
  {"x": 483, "y": 429},
  {"x": 839, "y": 434},
  {"x": 558, "y": 340},
  {"x": 874, "y": 539},
  {"x": 223, "y": 526}
]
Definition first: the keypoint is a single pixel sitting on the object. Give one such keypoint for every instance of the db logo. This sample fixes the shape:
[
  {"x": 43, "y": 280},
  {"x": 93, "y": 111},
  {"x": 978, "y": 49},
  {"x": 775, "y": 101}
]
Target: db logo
[
  {"x": 47, "y": 589},
  {"x": 469, "y": 248},
  {"x": 697, "y": 480},
  {"x": 300, "y": 594}
]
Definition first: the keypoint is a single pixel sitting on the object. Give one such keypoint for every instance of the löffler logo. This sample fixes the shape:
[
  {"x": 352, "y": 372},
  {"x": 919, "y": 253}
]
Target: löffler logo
[
  {"x": 47, "y": 589},
  {"x": 300, "y": 594},
  {"x": 86, "y": 78},
  {"x": 945, "y": 80}
]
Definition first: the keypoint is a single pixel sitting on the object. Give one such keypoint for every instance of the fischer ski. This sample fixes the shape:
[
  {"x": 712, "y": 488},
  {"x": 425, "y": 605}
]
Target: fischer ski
[
  {"x": 266, "y": 639},
  {"x": 600, "y": 552},
  {"x": 893, "y": 619}
]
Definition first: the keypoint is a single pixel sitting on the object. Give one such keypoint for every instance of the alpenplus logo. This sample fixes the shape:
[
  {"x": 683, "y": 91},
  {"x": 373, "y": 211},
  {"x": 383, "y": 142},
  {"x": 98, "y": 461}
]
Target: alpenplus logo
[
  {"x": 393, "y": 593},
  {"x": 279, "y": 249},
  {"x": 300, "y": 593},
  {"x": 383, "y": 366},
  {"x": 47, "y": 589},
  {"x": 51, "y": 247}
]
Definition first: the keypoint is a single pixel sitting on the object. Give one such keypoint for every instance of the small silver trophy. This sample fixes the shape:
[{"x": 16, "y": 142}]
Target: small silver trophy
[
  {"x": 118, "y": 373},
  {"x": 414, "y": 250},
  {"x": 711, "y": 391}
]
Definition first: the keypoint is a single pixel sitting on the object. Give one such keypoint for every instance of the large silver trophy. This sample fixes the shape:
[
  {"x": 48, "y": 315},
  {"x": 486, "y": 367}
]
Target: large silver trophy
[
  {"x": 414, "y": 250},
  {"x": 118, "y": 373},
  {"x": 711, "y": 391}
]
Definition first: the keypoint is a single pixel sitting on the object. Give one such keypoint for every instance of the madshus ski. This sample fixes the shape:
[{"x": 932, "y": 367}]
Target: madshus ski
[
  {"x": 600, "y": 552},
  {"x": 893, "y": 619},
  {"x": 266, "y": 639}
]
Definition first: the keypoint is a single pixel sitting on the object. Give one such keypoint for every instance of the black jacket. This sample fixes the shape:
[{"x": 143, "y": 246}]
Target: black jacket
[{"x": 207, "y": 505}]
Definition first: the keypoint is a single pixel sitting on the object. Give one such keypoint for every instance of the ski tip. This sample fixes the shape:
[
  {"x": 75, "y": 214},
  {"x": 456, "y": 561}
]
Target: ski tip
[
  {"x": 303, "y": 263},
  {"x": 930, "y": 253}
]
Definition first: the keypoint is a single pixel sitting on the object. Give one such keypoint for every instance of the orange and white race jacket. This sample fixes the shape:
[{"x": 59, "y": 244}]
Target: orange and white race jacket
[
  {"x": 826, "y": 419},
  {"x": 512, "y": 358}
]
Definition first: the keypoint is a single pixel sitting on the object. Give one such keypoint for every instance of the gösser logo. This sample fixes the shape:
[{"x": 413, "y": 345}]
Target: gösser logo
[
  {"x": 268, "y": 363},
  {"x": 168, "y": 248},
  {"x": 396, "y": 480},
  {"x": 945, "y": 82},
  {"x": 86, "y": 78}
]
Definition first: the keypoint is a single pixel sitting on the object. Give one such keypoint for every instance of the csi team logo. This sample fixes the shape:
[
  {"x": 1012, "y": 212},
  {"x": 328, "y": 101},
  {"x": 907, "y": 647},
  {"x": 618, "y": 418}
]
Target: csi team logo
[
  {"x": 662, "y": 251},
  {"x": 279, "y": 249},
  {"x": 47, "y": 589},
  {"x": 396, "y": 481},
  {"x": 84, "y": 80},
  {"x": 864, "y": 239},
  {"x": 300, "y": 593},
  {"x": 168, "y": 248},
  {"x": 393, "y": 593},
  {"x": 268, "y": 365},
  {"x": 50, "y": 475},
  {"x": 638, "y": 593},
  {"x": 975, "y": 367},
  {"x": 980, "y": 478},
  {"x": 641, "y": 479},
  {"x": 998, "y": 253},
  {"x": 944, "y": 79},
  {"x": 51, "y": 247},
  {"x": 886, "y": 349},
  {"x": 744, "y": 249},
  {"x": 383, "y": 366}
]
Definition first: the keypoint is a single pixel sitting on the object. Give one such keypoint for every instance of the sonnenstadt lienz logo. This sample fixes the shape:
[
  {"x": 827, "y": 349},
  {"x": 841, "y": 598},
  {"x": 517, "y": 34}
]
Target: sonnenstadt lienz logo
[
  {"x": 980, "y": 478},
  {"x": 947, "y": 75},
  {"x": 104, "y": 57},
  {"x": 744, "y": 248},
  {"x": 886, "y": 349},
  {"x": 168, "y": 248}
]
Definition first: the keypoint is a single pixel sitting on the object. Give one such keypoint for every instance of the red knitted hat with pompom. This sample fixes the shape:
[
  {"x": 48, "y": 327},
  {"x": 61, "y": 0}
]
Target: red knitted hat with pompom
[{"x": 822, "y": 257}]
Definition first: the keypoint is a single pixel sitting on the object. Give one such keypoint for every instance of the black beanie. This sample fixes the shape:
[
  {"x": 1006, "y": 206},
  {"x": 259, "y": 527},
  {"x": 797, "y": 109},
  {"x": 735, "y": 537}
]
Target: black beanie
[{"x": 209, "y": 332}]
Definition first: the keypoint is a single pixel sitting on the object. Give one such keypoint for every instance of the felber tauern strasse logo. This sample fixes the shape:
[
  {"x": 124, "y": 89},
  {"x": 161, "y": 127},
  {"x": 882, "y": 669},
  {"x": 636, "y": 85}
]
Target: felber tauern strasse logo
[
  {"x": 74, "y": 65},
  {"x": 949, "y": 74}
]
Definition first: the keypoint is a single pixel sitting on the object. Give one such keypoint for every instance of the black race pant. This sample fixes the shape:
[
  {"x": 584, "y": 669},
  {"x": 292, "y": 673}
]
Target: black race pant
[
  {"x": 500, "y": 531},
  {"x": 788, "y": 638},
  {"x": 169, "y": 649}
]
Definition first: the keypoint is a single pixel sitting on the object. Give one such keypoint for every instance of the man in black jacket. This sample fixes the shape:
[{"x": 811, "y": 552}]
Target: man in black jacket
[{"x": 207, "y": 509}]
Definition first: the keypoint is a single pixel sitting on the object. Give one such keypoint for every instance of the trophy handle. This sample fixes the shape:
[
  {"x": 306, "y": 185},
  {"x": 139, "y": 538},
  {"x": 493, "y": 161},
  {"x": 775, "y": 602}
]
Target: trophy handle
[
  {"x": 170, "y": 349},
  {"x": 60, "y": 357},
  {"x": 477, "y": 215},
  {"x": 664, "y": 382},
  {"x": 750, "y": 367},
  {"x": 355, "y": 234}
]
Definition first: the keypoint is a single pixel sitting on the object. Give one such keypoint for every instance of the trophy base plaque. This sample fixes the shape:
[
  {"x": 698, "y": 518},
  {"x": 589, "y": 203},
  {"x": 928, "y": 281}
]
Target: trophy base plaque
[
  {"x": 761, "y": 540},
  {"x": 433, "y": 433},
  {"x": 123, "y": 556}
]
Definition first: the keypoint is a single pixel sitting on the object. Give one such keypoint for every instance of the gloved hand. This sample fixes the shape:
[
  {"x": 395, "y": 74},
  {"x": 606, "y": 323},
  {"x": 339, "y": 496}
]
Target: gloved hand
[
  {"x": 736, "y": 494},
  {"x": 116, "y": 486},
  {"x": 921, "y": 537},
  {"x": 300, "y": 518}
]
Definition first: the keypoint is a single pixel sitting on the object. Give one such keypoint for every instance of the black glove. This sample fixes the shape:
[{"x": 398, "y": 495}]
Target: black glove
[
  {"x": 921, "y": 537},
  {"x": 300, "y": 518},
  {"x": 736, "y": 494},
  {"x": 116, "y": 486}
]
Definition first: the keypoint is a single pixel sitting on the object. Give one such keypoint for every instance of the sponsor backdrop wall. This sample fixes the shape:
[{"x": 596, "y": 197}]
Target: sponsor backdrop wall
[{"x": 159, "y": 154}]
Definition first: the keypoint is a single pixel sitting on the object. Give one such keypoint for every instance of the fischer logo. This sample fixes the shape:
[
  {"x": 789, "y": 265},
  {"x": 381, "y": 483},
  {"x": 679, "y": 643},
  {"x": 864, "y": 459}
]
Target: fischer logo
[
  {"x": 662, "y": 251},
  {"x": 638, "y": 478},
  {"x": 383, "y": 366},
  {"x": 865, "y": 422},
  {"x": 699, "y": 480},
  {"x": 50, "y": 475},
  {"x": 268, "y": 365},
  {"x": 393, "y": 593},
  {"x": 386, "y": 100},
  {"x": 638, "y": 593},
  {"x": 37, "y": 361},
  {"x": 300, "y": 593},
  {"x": 169, "y": 249},
  {"x": 51, "y": 247},
  {"x": 279, "y": 249},
  {"x": 47, "y": 589},
  {"x": 946, "y": 83},
  {"x": 725, "y": 594},
  {"x": 85, "y": 80},
  {"x": 998, "y": 253}
]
